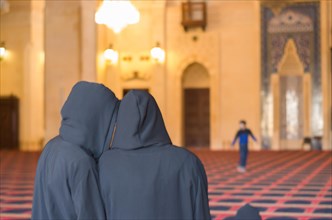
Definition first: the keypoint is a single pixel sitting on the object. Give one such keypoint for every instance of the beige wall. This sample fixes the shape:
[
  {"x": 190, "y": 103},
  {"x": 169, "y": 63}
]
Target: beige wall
[
  {"x": 232, "y": 60},
  {"x": 63, "y": 58},
  {"x": 240, "y": 67},
  {"x": 329, "y": 91},
  {"x": 70, "y": 48},
  {"x": 135, "y": 41},
  {"x": 221, "y": 48},
  {"x": 73, "y": 45},
  {"x": 15, "y": 32},
  {"x": 22, "y": 71},
  {"x": 326, "y": 36}
]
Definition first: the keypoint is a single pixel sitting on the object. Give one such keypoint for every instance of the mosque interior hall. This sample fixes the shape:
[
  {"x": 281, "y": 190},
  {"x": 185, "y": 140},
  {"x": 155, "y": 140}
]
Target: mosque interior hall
[{"x": 209, "y": 64}]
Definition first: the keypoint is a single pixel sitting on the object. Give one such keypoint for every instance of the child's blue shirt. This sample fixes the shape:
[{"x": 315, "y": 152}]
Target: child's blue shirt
[{"x": 243, "y": 136}]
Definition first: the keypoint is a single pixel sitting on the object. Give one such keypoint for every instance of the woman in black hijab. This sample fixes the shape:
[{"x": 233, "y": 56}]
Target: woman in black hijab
[
  {"x": 144, "y": 176},
  {"x": 66, "y": 182}
]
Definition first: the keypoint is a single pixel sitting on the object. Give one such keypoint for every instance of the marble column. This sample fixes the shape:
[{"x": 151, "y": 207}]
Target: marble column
[
  {"x": 63, "y": 58},
  {"x": 88, "y": 42},
  {"x": 32, "y": 101}
]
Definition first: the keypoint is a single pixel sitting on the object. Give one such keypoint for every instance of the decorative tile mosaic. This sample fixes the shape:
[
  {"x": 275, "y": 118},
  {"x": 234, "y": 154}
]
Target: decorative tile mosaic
[{"x": 300, "y": 22}]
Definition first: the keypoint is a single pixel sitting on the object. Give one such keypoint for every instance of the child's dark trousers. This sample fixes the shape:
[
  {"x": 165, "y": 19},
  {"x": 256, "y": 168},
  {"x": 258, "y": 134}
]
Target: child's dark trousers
[{"x": 243, "y": 155}]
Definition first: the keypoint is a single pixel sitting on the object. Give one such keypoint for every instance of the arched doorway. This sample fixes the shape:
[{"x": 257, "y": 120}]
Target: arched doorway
[
  {"x": 291, "y": 88},
  {"x": 196, "y": 106}
]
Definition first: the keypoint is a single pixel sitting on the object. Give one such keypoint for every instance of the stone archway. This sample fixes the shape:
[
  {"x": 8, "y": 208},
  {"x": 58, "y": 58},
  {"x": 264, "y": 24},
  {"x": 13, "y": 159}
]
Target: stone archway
[
  {"x": 175, "y": 99},
  {"x": 196, "y": 106},
  {"x": 291, "y": 88}
]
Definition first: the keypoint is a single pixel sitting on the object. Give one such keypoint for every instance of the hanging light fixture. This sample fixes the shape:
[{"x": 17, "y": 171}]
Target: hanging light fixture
[
  {"x": 117, "y": 14},
  {"x": 157, "y": 53},
  {"x": 2, "y": 50},
  {"x": 111, "y": 55}
]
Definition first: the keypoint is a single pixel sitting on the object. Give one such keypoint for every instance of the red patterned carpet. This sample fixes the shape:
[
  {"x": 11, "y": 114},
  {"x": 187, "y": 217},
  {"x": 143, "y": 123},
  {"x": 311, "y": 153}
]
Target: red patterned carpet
[{"x": 283, "y": 185}]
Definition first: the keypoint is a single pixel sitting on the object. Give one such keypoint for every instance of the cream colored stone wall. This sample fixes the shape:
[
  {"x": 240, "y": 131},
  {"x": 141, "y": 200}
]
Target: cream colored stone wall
[
  {"x": 229, "y": 49},
  {"x": 62, "y": 60},
  {"x": 14, "y": 32},
  {"x": 329, "y": 90},
  {"x": 135, "y": 42},
  {"x": 22, "y": 71},
  {"x": 326, "y": 42},
  {"x": 232, "y": 62},
  {"x": 70, "y": 48},
  {"x": 240, "y": 67}
]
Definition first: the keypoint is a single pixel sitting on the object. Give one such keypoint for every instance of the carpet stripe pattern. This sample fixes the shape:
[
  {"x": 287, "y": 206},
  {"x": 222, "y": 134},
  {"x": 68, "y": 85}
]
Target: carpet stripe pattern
[{"x": 283, "y": 185}]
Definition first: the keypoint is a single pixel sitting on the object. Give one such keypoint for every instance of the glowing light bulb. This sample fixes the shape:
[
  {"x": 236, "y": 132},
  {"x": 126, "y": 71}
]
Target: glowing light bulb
[
  {"x": 2, "y": 51},
  {"x": 111, "y": 55},
  {"x": 117, "y": 14},
  {"x": 158, "y": 54}
]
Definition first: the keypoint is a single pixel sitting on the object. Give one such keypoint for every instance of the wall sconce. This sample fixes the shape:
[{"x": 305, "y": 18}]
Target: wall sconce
[
  {"x": 157, "y": 53},
  {"x": 2, "y": 51},
  {"x": 127, "y": 58},
  {"x": 144, "y": 58},
  {"x": 111, "y": 55}
]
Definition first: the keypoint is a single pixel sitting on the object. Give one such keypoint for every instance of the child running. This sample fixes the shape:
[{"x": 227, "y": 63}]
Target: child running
[{"x": 243, "y": 136}]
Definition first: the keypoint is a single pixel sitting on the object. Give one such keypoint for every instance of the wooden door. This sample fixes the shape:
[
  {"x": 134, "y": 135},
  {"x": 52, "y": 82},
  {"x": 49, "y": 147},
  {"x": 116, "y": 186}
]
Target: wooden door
[
  {"x": 9, "y": 123},
  {"x": 125, "y": 91},
  {"x": 197, "y": 117}
]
